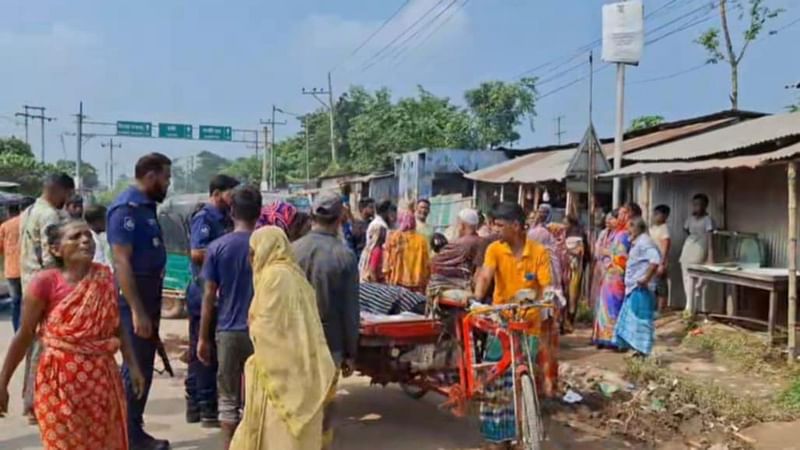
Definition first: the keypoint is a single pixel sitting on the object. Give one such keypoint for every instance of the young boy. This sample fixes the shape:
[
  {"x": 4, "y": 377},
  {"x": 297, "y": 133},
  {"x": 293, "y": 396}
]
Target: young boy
[
  {"x": 228, "y": 279},
  {"x": 95, "y": 216},
  {"x": 659, "y": 232}
]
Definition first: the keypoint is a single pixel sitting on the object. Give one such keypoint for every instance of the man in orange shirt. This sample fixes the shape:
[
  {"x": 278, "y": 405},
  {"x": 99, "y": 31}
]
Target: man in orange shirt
[
  {"x": 9, "y": 249},
  {"x": 514, "y": 263}
]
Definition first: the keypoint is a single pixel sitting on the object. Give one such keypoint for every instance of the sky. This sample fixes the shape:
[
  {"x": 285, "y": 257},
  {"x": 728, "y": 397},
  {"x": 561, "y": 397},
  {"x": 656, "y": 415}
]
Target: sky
[{"x": 226, "y": 63}]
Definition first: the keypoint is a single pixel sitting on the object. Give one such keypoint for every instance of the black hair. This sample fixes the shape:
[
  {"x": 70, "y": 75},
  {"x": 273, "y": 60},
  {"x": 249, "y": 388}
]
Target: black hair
[
  {"x": 152, "y": 162},
  {"x": 95, "y": 214},
  {"x": 59, "y": 180},
  {"x": 615, "y": 213},
  {"x": 424, "y": 200},
  {"x": 298, "y": 226},
  {"x": 438, "y": 241},
  {"x": 76, "y": 199},
  {"x": 663, "y": 209},
  {"x": 53, "y": 233},
  {"x": 324, "y": 220},
  {"x": 366, "y": 202},
  {"x": 385, "y": 207},
  {"x": 15, "y": 209},
  {"x": 222, "y": 183},
  {"x": 702, "y": 197},
  {"x": 246, "y": 203},
  {"x": 509, "y": 211},
  {"x": 634, "y": 208}
]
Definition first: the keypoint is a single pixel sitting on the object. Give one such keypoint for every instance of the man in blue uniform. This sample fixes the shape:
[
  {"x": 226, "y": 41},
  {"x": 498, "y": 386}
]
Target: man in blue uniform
[
  {"x": 139, "y": 260},
  {"x": 207, "y": 224}
]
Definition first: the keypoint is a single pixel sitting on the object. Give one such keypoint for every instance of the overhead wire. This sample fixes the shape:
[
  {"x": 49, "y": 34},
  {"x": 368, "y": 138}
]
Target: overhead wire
[
  {"x": 376, "y": 57},
  {"x": 374, "y": 33},
  {"x": 670, "y": 76},
  {"x": 404, "y": 53},
  {"x": 400, "y": 48}
]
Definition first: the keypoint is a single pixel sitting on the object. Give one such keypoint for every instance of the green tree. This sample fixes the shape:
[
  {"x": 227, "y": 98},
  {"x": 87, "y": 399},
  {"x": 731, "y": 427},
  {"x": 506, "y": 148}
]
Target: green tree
[
  {"x": 755, "y": 14},
  {"x": 206, "y": 165},
  {"x": 246, "y": 170},
  {"x": 642, "y": 122},
  {"x": 500, "y": 107},
  {"x": 18, "y": 164},
  {"x": 106, "y": 197},
  {"x": 89, "y": 177}
]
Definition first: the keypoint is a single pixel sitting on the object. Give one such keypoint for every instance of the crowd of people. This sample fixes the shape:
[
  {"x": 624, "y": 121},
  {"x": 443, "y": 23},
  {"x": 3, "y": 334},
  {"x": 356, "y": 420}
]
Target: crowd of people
[{"x": 276, "y": 296}]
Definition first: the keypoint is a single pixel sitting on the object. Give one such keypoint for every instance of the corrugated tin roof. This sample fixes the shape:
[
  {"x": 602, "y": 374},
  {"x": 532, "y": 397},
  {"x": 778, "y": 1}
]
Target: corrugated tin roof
[
  {"x": 735, "y": 137},
  {"x": 661, "y": 167},
  {"x": 533, "y": 168},
  {"x": 668, "y": 135}
]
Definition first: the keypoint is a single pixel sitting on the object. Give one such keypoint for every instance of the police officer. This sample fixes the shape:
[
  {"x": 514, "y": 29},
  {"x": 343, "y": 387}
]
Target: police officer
[
  {"x": 139, "y": 260},
  {"x": 209, "y": 222}
]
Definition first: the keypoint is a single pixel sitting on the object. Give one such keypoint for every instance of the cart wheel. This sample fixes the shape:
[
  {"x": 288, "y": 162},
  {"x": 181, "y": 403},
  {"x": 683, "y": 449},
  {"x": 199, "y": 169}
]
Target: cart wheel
[
  {"x": 172, "y": 308},
  {"x": 529, "y": 415},
  {"x": 413, "y": 391}
]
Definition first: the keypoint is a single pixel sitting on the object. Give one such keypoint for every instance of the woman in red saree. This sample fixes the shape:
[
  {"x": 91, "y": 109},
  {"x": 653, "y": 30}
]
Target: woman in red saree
[{"x": 79, "y": 398}]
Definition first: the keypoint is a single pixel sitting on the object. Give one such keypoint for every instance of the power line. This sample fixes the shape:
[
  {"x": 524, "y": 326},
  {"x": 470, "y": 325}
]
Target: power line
[
  {"x": 375, "y": 58},
  {"x": 670, "y": 76},
  {"x": 374, "y": 33},
  {"x": 397, "y": 51},
  {"x": 404, "y": 53},
  {"x": 788, "y": 25}
]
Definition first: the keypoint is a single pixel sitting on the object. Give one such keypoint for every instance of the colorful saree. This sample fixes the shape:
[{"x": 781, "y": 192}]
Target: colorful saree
[
  {"x": 612, "y": 290},
  {"x": 79, "y": 401},
  {"x": 599, "y": 266},
  {"x": 407, "y": 257}
]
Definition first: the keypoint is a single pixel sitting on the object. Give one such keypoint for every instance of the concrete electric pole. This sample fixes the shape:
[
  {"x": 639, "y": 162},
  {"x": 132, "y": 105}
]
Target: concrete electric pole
[
  {"x": 272, "y": 123},
  {"x": 27, "y": 115},
  {"x": 315, "y": 92},
  {"x": 110, "y": 145}
]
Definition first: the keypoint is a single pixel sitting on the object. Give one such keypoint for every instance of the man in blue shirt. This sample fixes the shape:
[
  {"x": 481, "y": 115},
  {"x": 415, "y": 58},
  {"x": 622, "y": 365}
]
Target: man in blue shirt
[
  {"x": 210, "y": 222},
  {"x": 139, "y": 260},
  {"x": 228, "y": 292}
]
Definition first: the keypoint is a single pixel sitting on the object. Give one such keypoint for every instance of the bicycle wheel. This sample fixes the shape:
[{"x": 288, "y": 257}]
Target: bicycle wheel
[{"x": 530, "y": 419}]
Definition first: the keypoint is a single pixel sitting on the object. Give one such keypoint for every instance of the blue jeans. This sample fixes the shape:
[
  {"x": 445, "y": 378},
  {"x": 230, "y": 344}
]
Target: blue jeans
[
  {"x": 15, "y": 292},
  {"x": 201, "y": 380},
  {"x": 144, "y": 350}
]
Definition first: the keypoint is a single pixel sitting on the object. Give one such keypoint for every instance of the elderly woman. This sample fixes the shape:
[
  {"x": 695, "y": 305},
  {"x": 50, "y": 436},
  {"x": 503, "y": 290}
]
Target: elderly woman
[
  {"x": 291, "y": 373},
  {"x": 634, "y": 328},
  {"x": 407, "y": 262},
  {"x": 79, "y": 398}
]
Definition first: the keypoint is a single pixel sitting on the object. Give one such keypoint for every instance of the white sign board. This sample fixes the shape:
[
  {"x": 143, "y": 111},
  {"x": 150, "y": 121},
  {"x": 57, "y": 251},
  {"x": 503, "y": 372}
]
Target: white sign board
[{"x": 623, "y": 32}]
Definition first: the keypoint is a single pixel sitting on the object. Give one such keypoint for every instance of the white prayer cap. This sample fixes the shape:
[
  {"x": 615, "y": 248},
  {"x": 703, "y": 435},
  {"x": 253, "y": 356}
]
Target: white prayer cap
[{"x": 469, "y": 216}]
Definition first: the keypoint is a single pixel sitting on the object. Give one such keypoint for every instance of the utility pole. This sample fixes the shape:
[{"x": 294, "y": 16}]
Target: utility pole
[
  {"x": 315, "y": 92},
  {"x": 559, "y": 133},
  {"x": 272, "y": 123},
  {"x": 308, "y": 167},
  {"x": 27, "y": 115},
  {"x": 618, "y": 136},
  {"x": 264, "y": 184},
  {"x": 80, "y": 118},
  {"x": 111, "y": 145}
]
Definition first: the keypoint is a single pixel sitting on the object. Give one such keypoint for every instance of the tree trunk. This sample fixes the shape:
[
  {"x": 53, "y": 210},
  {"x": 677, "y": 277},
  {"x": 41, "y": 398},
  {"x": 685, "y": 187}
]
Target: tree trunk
[
  {"x": 734, "y": 63},
  {"x": 734, "y": 86}
]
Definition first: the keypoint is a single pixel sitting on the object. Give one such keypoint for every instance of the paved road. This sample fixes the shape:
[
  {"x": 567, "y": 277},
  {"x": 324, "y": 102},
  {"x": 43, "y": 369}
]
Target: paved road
[{"x": 369, "y": 417}]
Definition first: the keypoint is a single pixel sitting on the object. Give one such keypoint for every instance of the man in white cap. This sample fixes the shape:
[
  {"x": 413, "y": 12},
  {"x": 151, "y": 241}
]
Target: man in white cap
[{"x": 455, "y": 265}]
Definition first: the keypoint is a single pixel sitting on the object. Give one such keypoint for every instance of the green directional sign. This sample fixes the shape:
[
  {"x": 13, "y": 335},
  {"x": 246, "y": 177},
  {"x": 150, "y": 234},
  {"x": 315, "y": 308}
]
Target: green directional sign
[
  {"x": 215, "y": 133},
  {"x": 174, "y": 130},
  {"x": 136, "y": 129}
]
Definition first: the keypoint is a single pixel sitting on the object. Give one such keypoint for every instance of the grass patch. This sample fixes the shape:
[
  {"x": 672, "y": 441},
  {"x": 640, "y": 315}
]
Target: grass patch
[
  {"x": 677, "y": 393},
  {"x": 747, "y": 352}
]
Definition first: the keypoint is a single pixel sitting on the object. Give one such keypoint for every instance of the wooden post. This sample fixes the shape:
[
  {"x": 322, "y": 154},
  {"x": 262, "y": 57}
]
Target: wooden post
[
  {"x": 521, "y": 196},
  {"x": 502, "y": 192},
  {"x": 475, "y": 194},
  {"x": 536, "y": 195},
  {"x": 791, "y": 178}
]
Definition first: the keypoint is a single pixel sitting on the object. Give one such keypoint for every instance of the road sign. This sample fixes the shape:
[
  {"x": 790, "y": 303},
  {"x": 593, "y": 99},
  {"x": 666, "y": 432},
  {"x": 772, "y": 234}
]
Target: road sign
[
  {"x": 215, "y": 133},
  {"x": 137, "y": 129},
  {"x": 174, "y": 130}
]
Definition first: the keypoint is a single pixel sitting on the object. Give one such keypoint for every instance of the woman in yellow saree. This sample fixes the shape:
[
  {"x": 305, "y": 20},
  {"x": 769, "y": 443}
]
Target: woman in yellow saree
[{"x": 291, "y": 371}]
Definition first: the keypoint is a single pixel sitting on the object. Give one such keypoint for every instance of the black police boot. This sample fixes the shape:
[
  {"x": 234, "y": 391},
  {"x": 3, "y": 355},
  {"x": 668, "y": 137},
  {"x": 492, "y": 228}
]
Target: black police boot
[{"x": 192, "y": 411}]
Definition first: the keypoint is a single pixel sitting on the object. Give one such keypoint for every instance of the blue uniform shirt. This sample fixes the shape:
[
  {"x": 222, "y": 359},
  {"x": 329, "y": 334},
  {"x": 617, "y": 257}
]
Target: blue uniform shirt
[
  {"x": 132, "y": 220},
  {"x": 207, "y": 224}
]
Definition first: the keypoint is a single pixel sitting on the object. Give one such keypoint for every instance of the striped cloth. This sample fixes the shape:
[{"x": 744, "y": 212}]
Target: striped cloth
[
  {"x": 635, "y": 328},
  {"x": 379, "y": 298}
]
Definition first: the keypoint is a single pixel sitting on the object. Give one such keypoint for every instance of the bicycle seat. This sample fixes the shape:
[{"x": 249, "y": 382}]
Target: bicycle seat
[{"x": 455, "y": 298}]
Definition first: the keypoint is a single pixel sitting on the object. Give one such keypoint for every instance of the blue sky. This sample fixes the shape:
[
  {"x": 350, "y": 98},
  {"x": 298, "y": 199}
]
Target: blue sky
[{"x": 215, "y": 62}]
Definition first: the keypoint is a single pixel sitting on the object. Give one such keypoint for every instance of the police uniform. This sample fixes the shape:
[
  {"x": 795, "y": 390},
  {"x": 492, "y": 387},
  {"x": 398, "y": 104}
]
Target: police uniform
[
  {"x": 132, "y": 221},
  {"x": 207, "y": 224}
]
